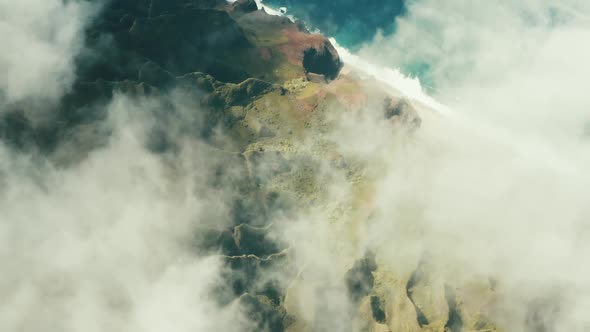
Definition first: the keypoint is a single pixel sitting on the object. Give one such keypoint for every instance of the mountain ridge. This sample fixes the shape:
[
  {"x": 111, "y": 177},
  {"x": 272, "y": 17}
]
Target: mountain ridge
[{"x": 260, "y": 93}]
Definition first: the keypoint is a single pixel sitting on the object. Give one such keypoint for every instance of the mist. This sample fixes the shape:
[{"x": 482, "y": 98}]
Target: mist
[
  {"x": 109, "y": 243},
  {"x": 485, "y": 202},
  {"x": 501, "y": 183},
  {"x": 40, "y": 42}
]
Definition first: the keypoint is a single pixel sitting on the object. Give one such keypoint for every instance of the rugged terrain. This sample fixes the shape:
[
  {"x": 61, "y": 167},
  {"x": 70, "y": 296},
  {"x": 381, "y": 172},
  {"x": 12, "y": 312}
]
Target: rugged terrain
[{"x": 263, "y": 95}]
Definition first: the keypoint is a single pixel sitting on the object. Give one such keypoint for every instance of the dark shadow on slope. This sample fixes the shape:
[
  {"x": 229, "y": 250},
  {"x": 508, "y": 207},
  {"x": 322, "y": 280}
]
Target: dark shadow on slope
[
  {"x": 321, "y": 62},
  {"x": 454, "y": 322},
  {"x": 377, "y": 310},
  {"x": 359, "y": 279},
  {"x": 415, "y": 279}
]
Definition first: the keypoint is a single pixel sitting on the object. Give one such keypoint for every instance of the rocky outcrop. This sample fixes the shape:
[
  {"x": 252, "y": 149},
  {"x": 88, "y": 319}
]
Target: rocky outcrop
[
  {"x": 323, "y": 60},
  {"x": 401, "y": 111},
  {"x": 244, "y": 6}
]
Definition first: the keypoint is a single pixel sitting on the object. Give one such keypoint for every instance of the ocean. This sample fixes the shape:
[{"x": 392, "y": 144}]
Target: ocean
[{"x": 352, "y": 23}]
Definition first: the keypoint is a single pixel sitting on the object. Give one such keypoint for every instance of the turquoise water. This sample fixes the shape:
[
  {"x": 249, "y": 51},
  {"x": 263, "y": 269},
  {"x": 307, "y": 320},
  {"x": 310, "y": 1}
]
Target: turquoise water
[
  {"x": 351, "y": 22},
  {"x": 354, "y": 23}
]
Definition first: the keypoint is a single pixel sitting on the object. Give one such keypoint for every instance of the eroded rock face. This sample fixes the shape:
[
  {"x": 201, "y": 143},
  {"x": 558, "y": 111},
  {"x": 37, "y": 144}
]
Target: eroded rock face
[{"x": 323, "y": 61}]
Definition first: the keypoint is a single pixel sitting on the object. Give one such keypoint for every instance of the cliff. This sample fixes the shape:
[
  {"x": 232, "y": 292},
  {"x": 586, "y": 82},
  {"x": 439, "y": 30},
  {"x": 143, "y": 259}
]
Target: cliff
[{"x": 272, "y": 89}]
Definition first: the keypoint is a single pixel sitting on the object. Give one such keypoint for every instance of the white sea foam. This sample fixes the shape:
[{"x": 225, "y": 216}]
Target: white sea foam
[
  {"x": 273, "y": 11},
  {"x": 393, "y": 78},
  {"x": 408, "y": 86}
]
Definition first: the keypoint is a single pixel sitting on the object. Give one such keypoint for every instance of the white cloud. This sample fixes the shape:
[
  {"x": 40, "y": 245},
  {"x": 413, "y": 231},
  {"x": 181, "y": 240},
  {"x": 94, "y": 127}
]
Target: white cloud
[
  {"x": 39, "y": 42},
  {"x": 501, "y": 186},
  {"x": 106, "y": 244}
]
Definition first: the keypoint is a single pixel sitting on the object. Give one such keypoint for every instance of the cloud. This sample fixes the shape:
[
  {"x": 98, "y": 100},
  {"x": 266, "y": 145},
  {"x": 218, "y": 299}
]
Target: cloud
[
  {"x": 40, "y": 41},
  {"x": 499, "y": 187},
  {"x": 107, "y": 243}
]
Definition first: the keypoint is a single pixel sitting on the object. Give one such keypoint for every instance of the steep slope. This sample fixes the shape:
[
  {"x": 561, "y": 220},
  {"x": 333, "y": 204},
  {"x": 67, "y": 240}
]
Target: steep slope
[{"x": 264, "y": 96}]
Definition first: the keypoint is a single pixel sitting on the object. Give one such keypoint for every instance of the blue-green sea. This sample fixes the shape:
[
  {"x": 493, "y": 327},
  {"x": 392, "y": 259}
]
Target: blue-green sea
[
  {"x": 354, "y": 23},
  {"x": 351, "y": 22}
]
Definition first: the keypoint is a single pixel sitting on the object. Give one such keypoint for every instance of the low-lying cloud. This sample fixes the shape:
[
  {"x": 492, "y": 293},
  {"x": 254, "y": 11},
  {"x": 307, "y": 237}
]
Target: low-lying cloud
[
  {"x": 498, "y": 191},
  {"x": 108, "y": 243},
  {"x": 501, "y": 185},
  {"x": 40, "y": 40}
]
